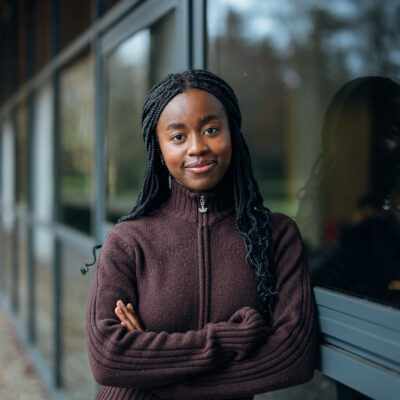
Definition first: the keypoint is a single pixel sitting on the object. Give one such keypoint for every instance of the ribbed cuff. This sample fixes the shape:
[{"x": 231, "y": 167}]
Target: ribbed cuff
[{"x": 244, "y": 330}]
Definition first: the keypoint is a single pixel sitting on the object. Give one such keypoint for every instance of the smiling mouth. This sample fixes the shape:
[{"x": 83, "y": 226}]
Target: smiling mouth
[{"x": 201, "y": 167}]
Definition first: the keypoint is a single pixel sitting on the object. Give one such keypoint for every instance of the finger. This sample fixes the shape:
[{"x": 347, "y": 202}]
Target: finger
[
  {"x": 132, "y": 316},
  {"x": 128, "y": 326},
  {"x": 128, "y": 315},
  {"x": 124, "y": 320},
  {"x": 130, "y": 308}
]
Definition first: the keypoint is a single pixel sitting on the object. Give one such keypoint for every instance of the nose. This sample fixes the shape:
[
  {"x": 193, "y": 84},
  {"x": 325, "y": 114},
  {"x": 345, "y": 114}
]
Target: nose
[{"x": 198, "y": 144}]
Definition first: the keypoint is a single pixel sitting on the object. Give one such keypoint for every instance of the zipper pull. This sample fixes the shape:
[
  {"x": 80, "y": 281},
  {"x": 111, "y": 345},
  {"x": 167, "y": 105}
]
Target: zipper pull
[{"x": 202, "y": 207}]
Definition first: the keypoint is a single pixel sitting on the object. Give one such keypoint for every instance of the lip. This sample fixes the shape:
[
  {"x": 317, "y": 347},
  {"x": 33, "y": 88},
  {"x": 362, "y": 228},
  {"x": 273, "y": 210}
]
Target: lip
[{"x": 200, "y": 167}]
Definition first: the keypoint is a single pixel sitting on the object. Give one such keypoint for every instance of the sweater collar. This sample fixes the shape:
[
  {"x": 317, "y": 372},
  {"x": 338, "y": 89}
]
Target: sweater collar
[{"x": 185, "y": 203}]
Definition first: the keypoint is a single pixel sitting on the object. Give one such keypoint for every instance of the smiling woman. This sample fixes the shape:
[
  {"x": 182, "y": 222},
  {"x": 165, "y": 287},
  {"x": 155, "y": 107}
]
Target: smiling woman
[
  {"x": 195, "y": 140},
  {"x": 200, "y": 292}
]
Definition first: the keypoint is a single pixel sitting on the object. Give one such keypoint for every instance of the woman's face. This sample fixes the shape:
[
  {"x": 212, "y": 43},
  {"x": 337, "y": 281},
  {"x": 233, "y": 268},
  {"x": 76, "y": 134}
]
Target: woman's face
[{"x": 195, "y": 140}]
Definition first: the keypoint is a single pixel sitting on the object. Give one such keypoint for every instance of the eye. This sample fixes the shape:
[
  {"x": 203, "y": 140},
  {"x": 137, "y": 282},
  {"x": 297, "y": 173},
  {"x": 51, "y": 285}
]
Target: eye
[
  {"x": 211, "y": 131},
  {"x": 177, "y": 138}
]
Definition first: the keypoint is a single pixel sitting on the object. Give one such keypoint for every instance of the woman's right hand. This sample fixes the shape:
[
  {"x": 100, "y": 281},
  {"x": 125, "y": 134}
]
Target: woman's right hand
[{"x": 128, "y": 316}]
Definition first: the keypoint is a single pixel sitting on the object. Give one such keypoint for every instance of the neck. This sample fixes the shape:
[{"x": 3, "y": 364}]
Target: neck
[{"x": 216, "y": 202}]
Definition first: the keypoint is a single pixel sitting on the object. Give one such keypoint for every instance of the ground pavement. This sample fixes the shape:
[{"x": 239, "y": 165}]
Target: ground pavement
[{"x": 18, "y": 380}]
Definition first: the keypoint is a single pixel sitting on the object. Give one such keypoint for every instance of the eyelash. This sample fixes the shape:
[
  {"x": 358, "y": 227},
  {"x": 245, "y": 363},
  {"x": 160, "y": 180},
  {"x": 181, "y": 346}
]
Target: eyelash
[
  {"x": 175, "y": 136},
  {"x": 214, "y": 129}
]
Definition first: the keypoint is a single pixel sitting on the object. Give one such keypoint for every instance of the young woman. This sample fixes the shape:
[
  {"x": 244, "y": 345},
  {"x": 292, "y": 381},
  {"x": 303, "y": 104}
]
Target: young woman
[{"x": 200, "y": 292}]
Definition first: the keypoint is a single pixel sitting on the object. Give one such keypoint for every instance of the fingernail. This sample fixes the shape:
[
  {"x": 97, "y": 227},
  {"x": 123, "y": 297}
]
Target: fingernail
[{"x": 119, "y": 310}]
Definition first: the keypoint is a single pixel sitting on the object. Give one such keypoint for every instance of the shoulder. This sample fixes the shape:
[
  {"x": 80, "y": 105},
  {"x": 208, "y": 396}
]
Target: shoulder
[
  {"x": 130, "y": 234},
  {"x": 281, "y": 224},
  {"x": 286, "y": 240},
  {"x": 122, "y": 237}
]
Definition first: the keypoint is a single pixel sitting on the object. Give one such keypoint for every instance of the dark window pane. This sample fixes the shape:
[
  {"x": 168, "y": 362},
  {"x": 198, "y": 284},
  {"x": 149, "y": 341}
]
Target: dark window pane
[
  {"x": 76, "y": 143},
  {"x": 43, "y": 33},
  {"x": 22, "y": 155},
  {"x": 332, "y": 171},
  {"x": 75, "y": 19},
  {"x": 22, "y": 43}
]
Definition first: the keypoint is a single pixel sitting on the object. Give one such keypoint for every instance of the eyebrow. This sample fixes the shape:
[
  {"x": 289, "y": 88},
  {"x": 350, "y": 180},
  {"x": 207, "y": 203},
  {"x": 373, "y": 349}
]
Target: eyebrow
[
  {"x": 179, "y": 125},
  {"x": 175, "y": 125},
  {"x": 210, "y": 118}
]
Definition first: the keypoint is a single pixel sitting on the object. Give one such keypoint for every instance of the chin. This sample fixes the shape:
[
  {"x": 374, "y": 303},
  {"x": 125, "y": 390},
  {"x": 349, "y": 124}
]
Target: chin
[{"x": 200, "y": 186}]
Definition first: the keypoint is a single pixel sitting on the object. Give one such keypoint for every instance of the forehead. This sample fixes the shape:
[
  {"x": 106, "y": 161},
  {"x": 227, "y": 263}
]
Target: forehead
[{"x": 193, "y": 104}]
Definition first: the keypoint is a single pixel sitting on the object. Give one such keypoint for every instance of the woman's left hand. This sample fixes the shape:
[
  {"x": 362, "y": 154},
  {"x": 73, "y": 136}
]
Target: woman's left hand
[{"x": 128, "y": 316}]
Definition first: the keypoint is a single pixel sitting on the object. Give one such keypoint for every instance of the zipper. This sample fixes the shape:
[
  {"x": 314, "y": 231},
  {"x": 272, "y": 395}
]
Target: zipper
[
  {"x": 202, "y": 208},
  {"x": 204, "y": 273}
]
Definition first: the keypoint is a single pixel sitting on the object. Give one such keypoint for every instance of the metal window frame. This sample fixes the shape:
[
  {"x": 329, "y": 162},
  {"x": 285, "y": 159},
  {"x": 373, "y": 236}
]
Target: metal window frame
[{"x": 359, "y": 343}]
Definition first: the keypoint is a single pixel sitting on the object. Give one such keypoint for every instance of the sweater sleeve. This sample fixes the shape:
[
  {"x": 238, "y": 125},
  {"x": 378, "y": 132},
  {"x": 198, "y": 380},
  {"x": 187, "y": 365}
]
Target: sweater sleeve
[
  {"x": 119, "y": 357},
  {"x": 287, "y": 357}
]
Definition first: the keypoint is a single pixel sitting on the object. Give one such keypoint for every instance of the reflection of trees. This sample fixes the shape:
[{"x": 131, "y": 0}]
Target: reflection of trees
[
  {"x": 285, "y": 77},
  {"x": 77, "y": 129},
  {"x": 127, "y": 87}
]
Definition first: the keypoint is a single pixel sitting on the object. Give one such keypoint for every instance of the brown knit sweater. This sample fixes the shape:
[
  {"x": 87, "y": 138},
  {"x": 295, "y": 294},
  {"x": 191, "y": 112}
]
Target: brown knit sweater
[{"x": 185, "y": 272}]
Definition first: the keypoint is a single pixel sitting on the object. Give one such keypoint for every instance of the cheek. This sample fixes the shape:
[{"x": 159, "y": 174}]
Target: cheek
[
  {"x": 171, "y": 154},
  {"x": 226, "y": 150}
]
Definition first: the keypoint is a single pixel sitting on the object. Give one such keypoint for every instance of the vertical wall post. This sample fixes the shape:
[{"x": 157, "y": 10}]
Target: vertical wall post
[{"x": 57, "y": 275}]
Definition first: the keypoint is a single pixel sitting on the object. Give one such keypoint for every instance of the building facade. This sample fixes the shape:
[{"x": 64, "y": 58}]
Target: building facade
[{"x": 325, "y": 145}]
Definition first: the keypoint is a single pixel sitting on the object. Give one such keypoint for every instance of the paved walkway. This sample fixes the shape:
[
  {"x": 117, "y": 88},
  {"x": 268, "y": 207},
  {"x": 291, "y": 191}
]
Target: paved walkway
[{"x": 18, "y": 380}]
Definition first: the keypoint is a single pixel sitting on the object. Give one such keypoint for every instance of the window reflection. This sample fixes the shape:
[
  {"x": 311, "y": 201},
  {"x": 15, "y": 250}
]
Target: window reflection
[
  {"x": 357, "y": 184},
  {"x": 131, "y": 71},
  {"x": 290, "y": 59},
  {"x": 42, "y": 163},
  {"x": 76, "y": 143}
]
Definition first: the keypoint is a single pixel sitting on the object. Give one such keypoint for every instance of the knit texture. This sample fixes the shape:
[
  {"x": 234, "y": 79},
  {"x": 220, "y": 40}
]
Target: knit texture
[{"x": 185, "y": 272}]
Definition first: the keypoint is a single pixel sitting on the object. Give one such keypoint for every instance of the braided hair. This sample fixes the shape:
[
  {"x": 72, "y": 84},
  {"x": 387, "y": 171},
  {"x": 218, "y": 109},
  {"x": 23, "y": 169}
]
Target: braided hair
[{"x": 252, "y": 217}]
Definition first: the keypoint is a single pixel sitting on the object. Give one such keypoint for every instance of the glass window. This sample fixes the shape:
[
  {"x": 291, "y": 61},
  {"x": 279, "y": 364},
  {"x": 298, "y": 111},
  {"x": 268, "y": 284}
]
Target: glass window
[
  {"x": 77, "y": 376},
  {"x": 22, "y": 155},
  {"x": 23, "y": 265},
  {"x": 7, "y": 200},
  {"x": 43, "y": 237},
  {"x": 132, "y": 68},
  {"x": 76, "y": 143},
  {"x": 75, "y": 19},
  {"x": 331, "y": 170},
  {"x": 43, "y": 249},
  {"x": 22, "y": 43},
  {"x": 43, "y": 33},
  {"x": 43, "y": 155}
]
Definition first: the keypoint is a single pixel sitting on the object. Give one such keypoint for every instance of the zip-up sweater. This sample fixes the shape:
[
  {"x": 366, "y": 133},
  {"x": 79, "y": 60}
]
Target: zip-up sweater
[{"x": 183, "y": 267}]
